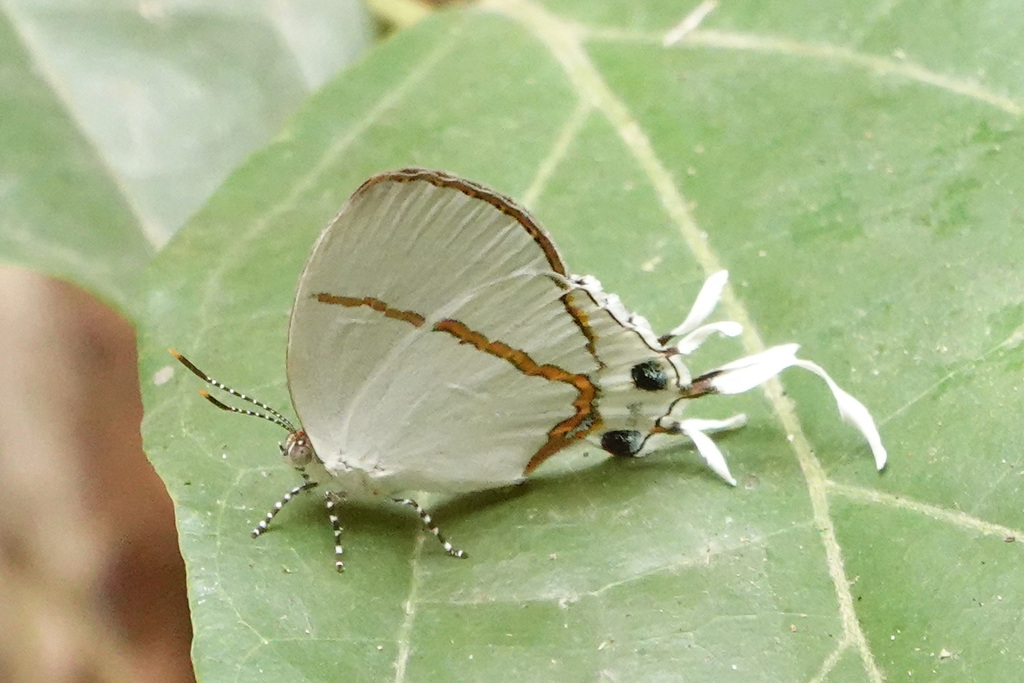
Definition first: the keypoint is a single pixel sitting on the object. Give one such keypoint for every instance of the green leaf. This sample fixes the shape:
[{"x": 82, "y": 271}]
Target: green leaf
[
  {"x": 855, "y": 168},
  {"x": 61, "y": 213},
  {"x": 119, "y": 120}
]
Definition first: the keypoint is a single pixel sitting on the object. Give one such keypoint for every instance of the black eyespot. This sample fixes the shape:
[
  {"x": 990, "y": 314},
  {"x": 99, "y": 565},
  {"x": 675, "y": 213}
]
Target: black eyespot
[
  {"x": 622, "y": 442},
  {"x": 649, "y": 376}
]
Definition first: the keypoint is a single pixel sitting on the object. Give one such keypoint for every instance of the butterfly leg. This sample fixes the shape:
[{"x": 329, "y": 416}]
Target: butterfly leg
[
  {"x": 332, "y": 500},
  {"x": 430, "y": 526},
  {"x": 262, "y": 526}
]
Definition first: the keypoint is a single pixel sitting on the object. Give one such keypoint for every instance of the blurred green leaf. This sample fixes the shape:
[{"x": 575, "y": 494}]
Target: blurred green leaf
[
  {"x": 119, "y": 119},
  {"x": 61, "y": 211},
  {"x": 854, "y": 167}
]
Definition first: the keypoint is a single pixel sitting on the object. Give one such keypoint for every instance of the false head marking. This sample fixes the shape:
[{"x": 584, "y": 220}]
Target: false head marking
[
  {"x": 649, "y": 376},
  {"x": 622, "y": 441}
]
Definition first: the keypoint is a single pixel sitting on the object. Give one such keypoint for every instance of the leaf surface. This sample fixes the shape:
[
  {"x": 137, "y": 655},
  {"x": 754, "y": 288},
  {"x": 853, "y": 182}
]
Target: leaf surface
[{"x": 855, "y": 169}]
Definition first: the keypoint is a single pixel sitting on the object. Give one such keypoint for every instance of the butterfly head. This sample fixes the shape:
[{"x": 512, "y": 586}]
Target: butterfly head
[{"x": 297, "y": 450}]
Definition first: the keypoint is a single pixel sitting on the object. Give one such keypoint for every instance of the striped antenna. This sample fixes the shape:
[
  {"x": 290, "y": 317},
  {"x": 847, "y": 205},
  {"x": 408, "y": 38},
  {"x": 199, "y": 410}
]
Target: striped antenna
[{"x": 271, "y": 415}]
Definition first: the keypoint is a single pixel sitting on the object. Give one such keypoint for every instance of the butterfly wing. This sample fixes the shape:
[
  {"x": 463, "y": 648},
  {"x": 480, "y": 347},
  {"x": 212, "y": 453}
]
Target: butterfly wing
[{"x": 433, "y": 343}]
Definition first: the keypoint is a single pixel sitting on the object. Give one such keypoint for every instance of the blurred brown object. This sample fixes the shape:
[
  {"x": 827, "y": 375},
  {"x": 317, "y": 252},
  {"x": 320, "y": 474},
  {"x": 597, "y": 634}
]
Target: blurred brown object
[{"x": 92, "y": 583}]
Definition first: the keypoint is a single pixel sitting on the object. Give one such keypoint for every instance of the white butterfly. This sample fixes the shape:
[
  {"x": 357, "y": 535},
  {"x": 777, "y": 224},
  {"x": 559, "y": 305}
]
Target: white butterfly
[{"x": 439, "y": 343}]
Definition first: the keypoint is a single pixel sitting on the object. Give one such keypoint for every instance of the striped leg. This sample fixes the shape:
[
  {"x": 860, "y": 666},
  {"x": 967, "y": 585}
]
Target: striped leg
[
  {"x": 431, "y": 527},
  {"x": 262, "y": 526},
  {"x": 336, "y": 525}
]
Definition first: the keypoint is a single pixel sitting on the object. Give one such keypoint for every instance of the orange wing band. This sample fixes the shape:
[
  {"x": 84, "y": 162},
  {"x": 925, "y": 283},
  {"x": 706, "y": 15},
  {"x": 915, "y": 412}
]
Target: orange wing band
[
  {"x": 411, "y": 317},
  {"x": 564, "y": 433},
  {"x": 577, "y": 426}
]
